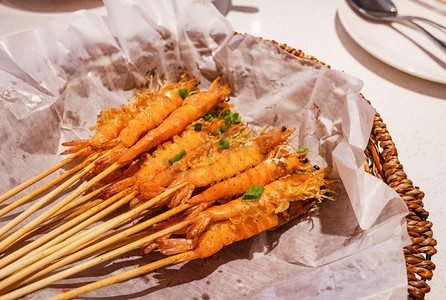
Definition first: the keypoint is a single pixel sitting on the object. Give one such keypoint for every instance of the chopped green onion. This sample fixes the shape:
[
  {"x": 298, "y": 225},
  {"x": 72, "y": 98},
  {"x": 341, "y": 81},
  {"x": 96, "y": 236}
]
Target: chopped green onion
[
  {"x": 177, "y": 157},
  {"x": 234, "y": 118},
  {"x": 223, "y": 144},
  {"x": 184, "y": 93},
  {"x": 198, "y": 126},
  {"x": 224, "y": 127},
  {"x": 302, "y": 150},
  {"x": 208, "y": 117},
  {"x": 253, "y": 193},
  {"x": 225, "y": 114},
  {"x": 221, "y": 129},
  {"x": 303, "y": 171}
]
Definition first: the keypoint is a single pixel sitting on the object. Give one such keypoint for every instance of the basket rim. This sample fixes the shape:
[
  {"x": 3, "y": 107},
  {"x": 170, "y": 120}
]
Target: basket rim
[{"x": 381, "y": 157}]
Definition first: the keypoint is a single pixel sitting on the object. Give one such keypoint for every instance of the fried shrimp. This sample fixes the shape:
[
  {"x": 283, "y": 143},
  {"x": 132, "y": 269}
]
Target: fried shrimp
[
  {"x": 224, "y": 233},
  {"x": 165, "y": 101},
  {"x": 262, "y": 174},
  {"x": 192, "y": 141},
  {"x": 269, "y": 170},
  {"x": 124, "y": 125},
  {"x": 281, "y": 201},
  {"x": 193, "y": 108},
  {"x": 275, "y": 199},
  {"x": 234, "y": 161}
]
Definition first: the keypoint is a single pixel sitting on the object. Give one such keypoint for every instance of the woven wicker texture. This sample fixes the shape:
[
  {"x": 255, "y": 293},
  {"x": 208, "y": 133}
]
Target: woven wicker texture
[{"x": 381, "y": 158}]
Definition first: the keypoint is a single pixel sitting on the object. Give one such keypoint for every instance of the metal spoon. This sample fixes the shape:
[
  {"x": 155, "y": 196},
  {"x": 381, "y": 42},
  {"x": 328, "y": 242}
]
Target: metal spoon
[{"x": 385, "y": 11}]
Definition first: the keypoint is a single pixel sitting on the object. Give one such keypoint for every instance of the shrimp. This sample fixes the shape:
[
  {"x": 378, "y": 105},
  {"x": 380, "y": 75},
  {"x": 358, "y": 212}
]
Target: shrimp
[
  {"x": 262, "y": 174},
  {"x": 189, "y": 140},
  {"x": 193, "y": 108},
  {"x": 166, "y": 101},
  {"x": 275, "y": 199},
  {"x": 125, "y": 125},
  {"x": 223, "y": 233},
  {"x": 231, "y": 163},
  {"x": 285, "y": 197},
  {"x": 172, "y": 126},
  {"x": 281, "y": 201}
]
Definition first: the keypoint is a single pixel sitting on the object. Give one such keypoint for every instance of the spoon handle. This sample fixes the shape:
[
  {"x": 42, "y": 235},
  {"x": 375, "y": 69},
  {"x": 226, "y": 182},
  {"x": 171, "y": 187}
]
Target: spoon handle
[
  {"x": 439, "y": 43},
  {"x": 432, "y": 23}
]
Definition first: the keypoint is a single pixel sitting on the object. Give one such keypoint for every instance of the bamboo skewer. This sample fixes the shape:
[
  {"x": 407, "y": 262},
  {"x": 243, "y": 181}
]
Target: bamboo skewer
[
  {"x": 40, "y": 176},
  {"x": 63, "y": 232},
  {"x": 109, "y": 255},
  {"x": 121, "y": 277},
  {"x": 48, "y": 256},
  {"x": 50, "y": 224},
  {"x": 79, "y": 201},
  {"x": 7, "y": 241},
  {"x": 41, "y": 189},
  {"x": 108, "y": 242},
  {"x": 10, "y": 240},
  {"x": 52, "y": 247},
  {"x": 59, "y": 218}
]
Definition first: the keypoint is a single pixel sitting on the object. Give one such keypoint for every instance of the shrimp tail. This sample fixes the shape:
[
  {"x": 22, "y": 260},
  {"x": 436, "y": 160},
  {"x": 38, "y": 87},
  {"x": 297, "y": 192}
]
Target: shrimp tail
[
  {"x": 199, "y": 226},
  {"x": 182, "y": 195},
  {"x": 75, "y": 146},
  {"x": 175, "y": 246},
  {"x": 118, "y": 186}
]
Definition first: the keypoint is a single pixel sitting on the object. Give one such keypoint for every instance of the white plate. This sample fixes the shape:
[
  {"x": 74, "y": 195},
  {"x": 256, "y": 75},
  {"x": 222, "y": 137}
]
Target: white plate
[{"x": 398, "y": 45}]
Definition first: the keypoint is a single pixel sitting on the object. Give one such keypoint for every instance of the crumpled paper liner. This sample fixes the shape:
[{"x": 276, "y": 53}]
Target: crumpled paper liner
[{"x": 55, "y": 79}]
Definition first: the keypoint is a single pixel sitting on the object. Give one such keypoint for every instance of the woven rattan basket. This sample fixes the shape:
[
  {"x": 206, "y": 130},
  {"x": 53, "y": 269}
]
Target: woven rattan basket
[{"x": 382, "y": 161}]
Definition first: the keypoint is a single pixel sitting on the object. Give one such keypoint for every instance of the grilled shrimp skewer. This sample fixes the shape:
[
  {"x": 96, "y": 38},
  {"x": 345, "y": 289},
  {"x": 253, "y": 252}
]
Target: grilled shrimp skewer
[
  {"x": 193, "y": 108},
  {"x": 231, "y": 163},
  {"x": 110, "y": 124},
  {"x": 190, "y": 141},
  {"x": 173, "y": 125},
  {"x": 260, "y": 175},
  {"x": 238, "y": 219},
  {"x": 125, "y": 125},
  {"x": 224, "y": 232}
]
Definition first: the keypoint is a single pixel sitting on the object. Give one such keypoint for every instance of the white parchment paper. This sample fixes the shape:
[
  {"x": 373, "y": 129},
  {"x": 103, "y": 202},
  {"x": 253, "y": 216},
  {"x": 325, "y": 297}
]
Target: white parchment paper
[{"x": 55, "y": 79}]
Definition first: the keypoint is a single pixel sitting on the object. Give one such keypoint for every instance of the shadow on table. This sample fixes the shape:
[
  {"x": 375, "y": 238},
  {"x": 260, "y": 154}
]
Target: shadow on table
[
  {"x": 387, "y": 72},
  {"x": 225, "y": 6}
]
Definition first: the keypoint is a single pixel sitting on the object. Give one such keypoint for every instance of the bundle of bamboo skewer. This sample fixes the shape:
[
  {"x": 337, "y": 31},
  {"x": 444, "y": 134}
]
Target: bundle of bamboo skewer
[{"x": 154, "y": 154}]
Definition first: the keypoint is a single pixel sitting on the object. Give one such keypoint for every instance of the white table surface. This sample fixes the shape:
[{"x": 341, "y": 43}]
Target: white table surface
[{"x": 413, "y": 109}]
